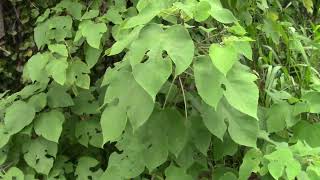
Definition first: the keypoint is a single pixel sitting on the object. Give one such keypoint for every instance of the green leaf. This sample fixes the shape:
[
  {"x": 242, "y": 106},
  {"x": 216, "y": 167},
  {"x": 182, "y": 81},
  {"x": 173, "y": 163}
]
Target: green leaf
[
  {"x": 56, "y": 28},
  {"x": 202, "y": 11},
  {"x": 114, "y": 16},
  {"x": 161, "y": 70},
  {"x": 308, "y": 4},
  {"x": 92, "y": 55},
  {"x": 85, "y": 103},
  {"x": 138, "y": 108},
  {"x": 250, "y": 164},
  {"x": 92, "y": 31},
  {"x": 13, "y": 173},
  {"x": 77, "y": 73},
  {"x": 307, "y": 132},
  {"x": 208, "y": 80},
  {"x": 83, "y": 81},
  {"x": 144, "y": 16},
  {"x": 35, "y": 67},
  {"x": 113, "y": 122},
  {"x": 59, "y": 49},
  {"x": 18, "y": 116},
  {"x": 242, "y": 128},
  {"x": 89, "y": 132},
  {"x": 283, "y": 115},
  {"x": 240, "y": 83},
  {"x": 177, "y": 134},
  {"x": 4, "y": 136},
  {"x": 175, "y": 41},
  {"x": 175, "y": 173},
  {"x": 312, "y": 98},
  {"x": 49, "y": 125},
  {"x": 214, "y": 121},
  {"x": 223, "y": 57},
  {"x": 241, "y": 45},
  {"x": 200, "y": 136},
  {"x": 149, "y": 146},
  {"x": 124, "y": 41},
  {"x": 222, "y": 148},
  {"x": 90, "y": 14},
  {"x": 280, "y": 160},
  {"x": 83, "y": 169},
  {"x": 57, "y": 97},
  {"x": 277, "y": 116},
  {"x": 38, "y": 101},
  {"x": 219, "y": 13},
  {"x": 57, "y": 69},
  {"x": 223, "y": 15},
  {"x": 38, "y": 154},
  {"x": 72, "y": 7}
]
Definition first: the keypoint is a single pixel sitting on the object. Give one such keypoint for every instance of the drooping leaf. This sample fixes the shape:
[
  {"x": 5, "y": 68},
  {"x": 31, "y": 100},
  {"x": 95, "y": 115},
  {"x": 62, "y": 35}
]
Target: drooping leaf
[
  {"x": 38, "y": 101},
  {"x": 35, "y": 67},
  {"x": 58, "y": 97},
  {"x": 89, "y": 132},
  {"x": 242, "y": 128},
  {"x": 38, "y": 154},
  {"x": 307, "y": 132},
  {"x": 223, "y": 57},
  {"x": 146, "y": 14},
  {"x": 176, "y": 173},
  {"x": 175, "y": 41},
  {"x": 90, "y": 14},
  {"x": 250, "y": 164},
  {"x": 13, "y": 173},
  {"x": 125, "y": 41},
  {"x": 72, "y": 7},
  {"x": 60, "y": 49},
  {"x": 57, "y": 69},
  {"x": 85, "y": 103},
  {"x": 200, "y": 136},
  {"x": 49, "y": 125},
  {"x": 92, "y": 32},
  {"x": 226, "y": 147},
  {"x": 138, "y": 108},
  {"x": 18, "y": 116},
  {"x": 283, "y": 160},
  {"x": 208, "y": 81},
  {"x": 56, "y": 28},
  {"x": 239, "y": 84},
  {"x": 219, "y": 13},
  {"x": 214, "y": 121},
  {"x": 84, "y": 166},
  {"x": 113, "y": 122},
  {"x": 92, "y": 55}
]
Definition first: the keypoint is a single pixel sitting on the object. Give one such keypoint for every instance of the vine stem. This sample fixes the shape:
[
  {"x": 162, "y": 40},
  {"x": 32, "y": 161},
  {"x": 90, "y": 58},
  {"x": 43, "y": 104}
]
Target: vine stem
[
  {"x": 165, "y": 101},
  {"x": 184, "y": 99}
]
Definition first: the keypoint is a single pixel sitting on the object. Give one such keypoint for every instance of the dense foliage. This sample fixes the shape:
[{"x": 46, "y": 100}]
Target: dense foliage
[{"x": 161, "y": 89}]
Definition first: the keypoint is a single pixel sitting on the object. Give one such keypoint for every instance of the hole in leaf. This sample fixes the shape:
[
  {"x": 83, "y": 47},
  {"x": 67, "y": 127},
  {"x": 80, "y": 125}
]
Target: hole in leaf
[{"x": 223, "y": 87}]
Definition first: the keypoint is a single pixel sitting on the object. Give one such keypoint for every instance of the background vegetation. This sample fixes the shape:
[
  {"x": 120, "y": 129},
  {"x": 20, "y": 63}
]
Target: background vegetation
[{"x": 149, "y": 89}]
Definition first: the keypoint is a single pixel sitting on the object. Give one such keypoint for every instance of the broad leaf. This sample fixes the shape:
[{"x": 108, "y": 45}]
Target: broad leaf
[
  {"x": 92, "y": 32},
  {"x": 18, "y": 116},
  {"x": 84, "y": 168},
  {"x": 138, "y": 108},
  {"x": 175, "y": 41},
  {"x": 38, "y": 154},
  {"x": 49, "y": 125}
]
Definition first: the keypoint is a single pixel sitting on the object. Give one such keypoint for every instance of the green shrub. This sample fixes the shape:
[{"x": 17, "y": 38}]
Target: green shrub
[{"x": 149, "y": 89}]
